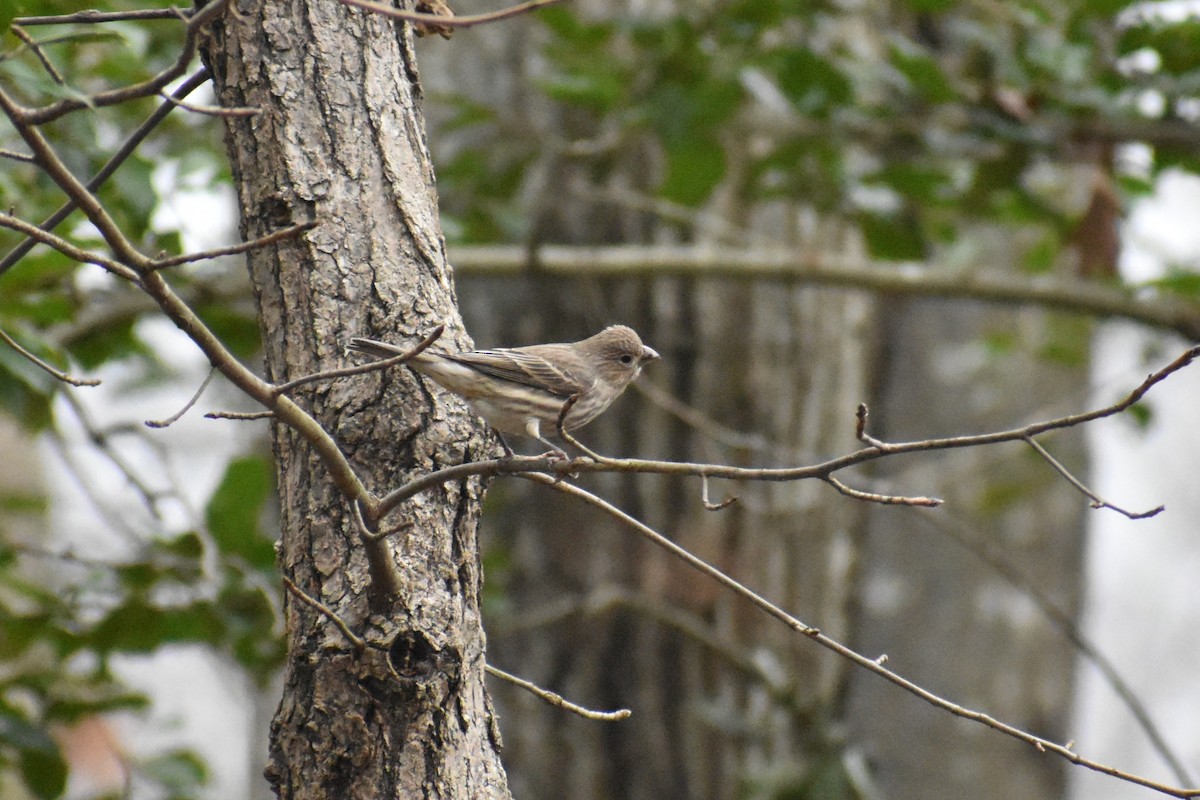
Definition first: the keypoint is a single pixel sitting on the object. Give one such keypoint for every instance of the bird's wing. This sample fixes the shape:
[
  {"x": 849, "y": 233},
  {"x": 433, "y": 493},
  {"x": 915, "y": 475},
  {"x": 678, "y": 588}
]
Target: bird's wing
[{"x": 548, "y": 367}]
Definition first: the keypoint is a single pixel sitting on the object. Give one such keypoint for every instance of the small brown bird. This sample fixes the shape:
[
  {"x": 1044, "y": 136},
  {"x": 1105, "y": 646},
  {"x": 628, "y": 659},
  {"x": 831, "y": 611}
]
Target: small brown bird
[{"x": 520, "y": 389}]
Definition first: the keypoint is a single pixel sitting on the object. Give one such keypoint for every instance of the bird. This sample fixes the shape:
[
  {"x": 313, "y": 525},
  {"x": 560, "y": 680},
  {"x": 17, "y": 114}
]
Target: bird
[{"x": 519, "y": 390}]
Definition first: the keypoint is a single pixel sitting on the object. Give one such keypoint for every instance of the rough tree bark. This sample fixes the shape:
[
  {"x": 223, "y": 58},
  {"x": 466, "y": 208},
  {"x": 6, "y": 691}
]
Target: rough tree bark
[{"x": 339, "y": 140}]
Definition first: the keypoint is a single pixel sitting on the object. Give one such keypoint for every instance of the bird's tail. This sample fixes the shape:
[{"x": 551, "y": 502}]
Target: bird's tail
[{"x": 375, "y": 348}]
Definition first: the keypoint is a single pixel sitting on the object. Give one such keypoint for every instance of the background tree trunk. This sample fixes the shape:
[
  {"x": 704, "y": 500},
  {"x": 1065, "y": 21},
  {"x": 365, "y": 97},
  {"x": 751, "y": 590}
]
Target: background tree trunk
[{"x": 339, "y": 140}]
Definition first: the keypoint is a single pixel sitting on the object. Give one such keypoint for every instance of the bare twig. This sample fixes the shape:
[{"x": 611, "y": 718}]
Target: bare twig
[
  {"x": 385, "y": 585},
  {"x": 982, "y": 548},
  {"x": 605, "y": 599},
  {"x": 240, "y": 416},
  {"x": 557, "y": 700},
  {"x": 235, "y": 249},
  {"x": 702, "y": 423},
  {"x": 437, "y": 20},
  {"x": 91, "y": 16},
  {"x": 343, "y": 372},
  {"x": 372, "y": 533},
  {"x": 15, "y": 156},
  {"x": 66, "y": 248},
  {"x": 29, "y": 41},
  {"x": 1097, "y": 501},
  {"x": 211, "y": 111},
  {"x": 163, "y": 423},
  {"x": 820, "y": 471},
  {"x": 59, "y": 374},
  {"x": 354, "y": 639},
  {"x": 870, "y": 664},
  {"x": 726, "y": 503},
  {"x": 860, "y": 428},
  {"x": 883, "y": 499},
  {"x": 103, "y": 441}
]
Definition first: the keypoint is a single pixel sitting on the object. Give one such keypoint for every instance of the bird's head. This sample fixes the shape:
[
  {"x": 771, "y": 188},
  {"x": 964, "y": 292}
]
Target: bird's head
[{"x": 617, "y": 353}]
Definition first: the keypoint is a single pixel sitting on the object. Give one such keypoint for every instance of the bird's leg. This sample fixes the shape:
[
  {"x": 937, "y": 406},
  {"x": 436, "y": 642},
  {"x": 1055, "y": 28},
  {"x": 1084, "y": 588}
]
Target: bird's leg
[
  {"x": 508, "y": 451},
  {"x": 533, "y": 430}
]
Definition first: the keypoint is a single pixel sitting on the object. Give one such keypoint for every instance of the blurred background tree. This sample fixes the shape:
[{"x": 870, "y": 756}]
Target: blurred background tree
[{"x": 589, "y": 157}]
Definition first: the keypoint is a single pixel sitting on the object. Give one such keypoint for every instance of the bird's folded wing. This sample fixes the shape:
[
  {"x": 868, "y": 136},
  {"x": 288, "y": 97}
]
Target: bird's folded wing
[{"x": 525, "y": 367}]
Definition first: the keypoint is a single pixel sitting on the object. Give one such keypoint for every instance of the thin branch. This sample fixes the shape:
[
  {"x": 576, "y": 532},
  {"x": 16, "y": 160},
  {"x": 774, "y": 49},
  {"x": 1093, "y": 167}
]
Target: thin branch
[
  {"x": 821, "y": 471},
  {"x": 342, "y": 372},
  {"x": 15, "y": 156},
  {"x": 439, "y": 21},
  {"x": 240, "y": 416},
  {"x": 37, "y": 362},
  {"x": 872, "y": 665},
  {"x": 561, "y": 426},
  {"x": 386, "y": 586},
  {"x": 92, "y": 17},
  {"x": 171, "y": 420},
  {"x": 235, "y": 249},
  {"x": 211, "y": 111},
  {"x": 1097, "y": 501},
  {"x": 286, "y": 411},
  {"x": 905, "y": 279},
  {"x": 557, "y": 700},
  {"x": 102, "y": 439},
  {"x": 354, "y": 639},
  {"x": 66, "y": 248},
  {"x": 726, "y": 503},
  {"x": 883, "y": 499},
  {"x": 29, "y": 41},
  {"x": 151, "y": 86},
  {"x": 118, "y": 158},
  {"x": 605, "y": 599},
  {"x": 983, "y": 549},
  {"x": 860, "y": 428}
]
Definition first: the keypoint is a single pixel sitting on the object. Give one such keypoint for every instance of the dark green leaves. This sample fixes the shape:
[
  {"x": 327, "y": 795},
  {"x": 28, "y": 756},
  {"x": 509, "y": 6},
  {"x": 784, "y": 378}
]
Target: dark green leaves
[{"x": 235, "y": 511}]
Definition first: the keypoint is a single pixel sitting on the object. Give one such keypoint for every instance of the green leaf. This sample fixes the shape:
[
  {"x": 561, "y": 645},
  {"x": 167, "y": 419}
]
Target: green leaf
[
  {"x": 180, "y": 771},
  {"x": 1180, "y": 282},
  {"x": 566, "y": 25},
  {"x": 38, "y": 758},
  {"x": 1177, "y": 43},
  {"x": 140, "y": 627},
  {"x": 25, "y": 390},
  {"x": 811, "y": 82},
  {"x": 596, "y": 88},
  {"x": 235, "y": 509},
  {"x": 111, "y": 343},
  {"x": 8, "y": 11},
  {"x": 892, "y": 237},
  {"x": 923, "y": 73},
  {"x": 187, "y": 545},
  {"x": 694, "y": 168},
  {"x": 1141, "y": 414},
  {"x": 236, "y": 330}
]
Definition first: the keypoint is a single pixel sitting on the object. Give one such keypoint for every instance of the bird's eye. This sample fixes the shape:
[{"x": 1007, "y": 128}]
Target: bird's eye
[{"x": 627, "y": 359}]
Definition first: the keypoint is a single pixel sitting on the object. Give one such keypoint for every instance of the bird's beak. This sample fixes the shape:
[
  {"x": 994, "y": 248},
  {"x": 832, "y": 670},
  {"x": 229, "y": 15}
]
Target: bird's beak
[{"x": 649, "y": 354}]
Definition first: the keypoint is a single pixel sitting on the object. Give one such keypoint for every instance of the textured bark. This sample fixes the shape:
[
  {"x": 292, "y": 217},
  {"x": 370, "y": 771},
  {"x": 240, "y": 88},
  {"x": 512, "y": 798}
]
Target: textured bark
[{"x": 340, "y": 140}]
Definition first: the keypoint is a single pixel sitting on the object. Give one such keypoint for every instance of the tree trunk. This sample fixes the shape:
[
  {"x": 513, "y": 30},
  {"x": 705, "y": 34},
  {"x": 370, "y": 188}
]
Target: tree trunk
[{"x": 339, "y": 140}]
